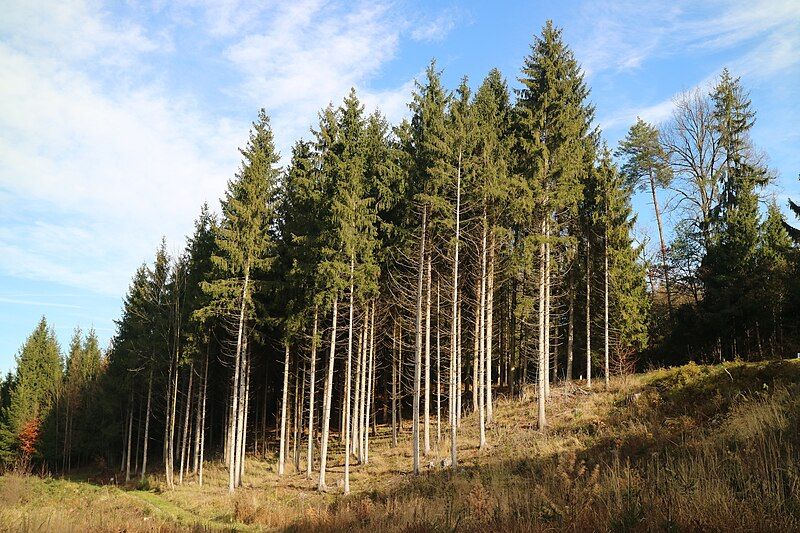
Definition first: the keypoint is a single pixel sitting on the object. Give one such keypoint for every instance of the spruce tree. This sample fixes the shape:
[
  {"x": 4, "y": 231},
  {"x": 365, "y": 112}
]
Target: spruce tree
[{"x": 244, "y": 252}]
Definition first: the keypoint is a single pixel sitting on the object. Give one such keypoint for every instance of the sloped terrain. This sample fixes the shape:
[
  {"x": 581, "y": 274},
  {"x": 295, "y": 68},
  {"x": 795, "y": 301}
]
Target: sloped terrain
[{"x": 693, "y": 448}]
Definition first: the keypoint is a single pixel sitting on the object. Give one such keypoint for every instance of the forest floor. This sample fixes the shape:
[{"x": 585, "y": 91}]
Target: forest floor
[{"x": 694, "y": 448}]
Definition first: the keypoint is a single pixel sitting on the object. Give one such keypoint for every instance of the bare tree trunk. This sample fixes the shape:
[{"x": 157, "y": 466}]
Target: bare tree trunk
[
  {"x": 588, "y": 316},
  {"x": 347, "y": 379},
  {"x": 232, "y": 463},
  {"x": 299, "y": 394},
  {"x": 481, "y": 319},
  {"x": 203, "y": 423},
  {"x": 185, "y": 436},
  {"x": 476, "y": 349},
  {"x": 172, "y": 415},
  {"x": 547, "y": 275},
  {"x": 459, "y": 364},
  {"x": 427, "y": 370},
  {"x": 570, "y": 332},
  {"x": 197, "y": 415},
  {"x": 489, "y": 329},
  {"x": 394, "y": 386},
  {"x": 311, "y": 396},
  {"x": 455, "y": 326},
  {"x": 370, "y": 385},
  {"x": 541, "y": 422},
  {"x": 282, "y": 453},
  {"x": 355, "y": 419},
  {"x": 605, "y": 307},
  {"x": 661, "y": 241},
  {"x": 438, "y": 365},
  {"x": 147, "y": 424},
  {"x": 128, "y": 446},
  {"x": 418, "y": 345},
  {"x": 241, "y": 428}
]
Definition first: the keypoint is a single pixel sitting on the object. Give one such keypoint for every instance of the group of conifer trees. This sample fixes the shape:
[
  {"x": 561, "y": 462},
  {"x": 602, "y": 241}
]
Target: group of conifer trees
[{"x": 406, "y": 275}]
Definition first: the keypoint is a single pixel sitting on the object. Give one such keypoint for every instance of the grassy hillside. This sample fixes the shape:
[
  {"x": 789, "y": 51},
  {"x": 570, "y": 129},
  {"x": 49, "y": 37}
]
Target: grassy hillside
[{"x": 685, "y": 449}]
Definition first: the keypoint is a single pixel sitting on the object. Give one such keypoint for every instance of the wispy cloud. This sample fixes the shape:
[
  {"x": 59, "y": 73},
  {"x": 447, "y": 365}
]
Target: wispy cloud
[
  {"x": 104, "y": 148},
  {"x": 36, "y": 303},
  {"x": 621, "y": 35},
  {"x": 435, "y": 28},
  {"x": 310, "y": 53}
]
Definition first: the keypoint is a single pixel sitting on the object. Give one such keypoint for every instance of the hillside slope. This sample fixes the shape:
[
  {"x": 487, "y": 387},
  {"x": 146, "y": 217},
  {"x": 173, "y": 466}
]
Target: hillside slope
[{"x": 685, "y": 449}]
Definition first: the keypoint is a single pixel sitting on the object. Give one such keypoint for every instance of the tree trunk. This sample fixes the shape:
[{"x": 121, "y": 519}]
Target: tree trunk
[
  {"x": 370, "y": 390},
  {"x": 203, "y": 423},
  {"x": 605, "y": 307},
  {"x": 542, "y": 368},
  {"x": 185, "y": 437},
  {"x": 459, "y": 364},
  {"x": 588, "y": 316},
  {"x": 481, "y": 319},
  {"x": 489, "y": 329},
  {"x": 198, "y": 425},
  {"x": 282, "y": 453},
  {"x": 299, "y": 394},
  {"x": 232, "y": 464},
  {"x": 311, "y": 396},
  {"x": 455, "y": 374},
  {"x": 476, "y": 349},
  {"x": 146, "y": 439},
  {"x": 547, "y": 273},
  {"x": 244, "y": 399},
  {"x": 418, "y": 345},
  {"x": 394, "y": 386},
  {"x": 661, "y": 241},
  {"x": 355, "y": 419},
  {"x": 128, "y": 447},
  {"x": 347, "y": 379},
  {"x": 438, "y": 365},
  {"x": 570, "y": 332},
  {"x": 427, "y": 370}
]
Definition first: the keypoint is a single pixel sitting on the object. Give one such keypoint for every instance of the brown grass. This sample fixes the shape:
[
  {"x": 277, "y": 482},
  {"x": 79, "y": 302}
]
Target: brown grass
[{"x": 695, "y": 448}]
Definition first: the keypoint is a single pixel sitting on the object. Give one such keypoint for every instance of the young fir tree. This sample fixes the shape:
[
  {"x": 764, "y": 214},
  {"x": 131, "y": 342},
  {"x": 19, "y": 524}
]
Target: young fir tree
[
  {"x": 626, "y": 302},
  {"x": 244, "y": 252},
  {"x": 36, "y": 387},
  {"x": 775, "y": 279}
]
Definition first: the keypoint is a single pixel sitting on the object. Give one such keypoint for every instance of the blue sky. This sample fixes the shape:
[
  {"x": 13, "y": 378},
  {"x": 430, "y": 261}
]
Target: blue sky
[{"x": 118, "y": 120}]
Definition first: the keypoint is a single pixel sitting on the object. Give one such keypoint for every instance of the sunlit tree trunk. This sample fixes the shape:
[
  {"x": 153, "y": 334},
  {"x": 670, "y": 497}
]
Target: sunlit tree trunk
[
  {"x": 282, "y": 446},
  {"x": 203, "y": 424},
  {"x": 347, "y": 380},
  {"x": 418, "y": 345},
  {"x": 185, "y": 435},
  {"x": 311, "y": 395},
  {"x": 455, "y": 324},
  {"x": 147, "y": 424},
  {"x": 489, "y": 329},
  {"x": 541, "y": 422},
  {"x": 427, "y": 370},
  {"x": 588, "y": 316},
  {"x": 326, "y": 408}
]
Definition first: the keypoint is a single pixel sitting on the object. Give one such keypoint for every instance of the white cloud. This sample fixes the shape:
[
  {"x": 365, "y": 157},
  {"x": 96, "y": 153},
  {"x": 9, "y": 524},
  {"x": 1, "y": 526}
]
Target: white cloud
[
  {"x": 96, "y": 172},
  {"x": 614, "y": 35},
  {"x": 309, "y": 54},
  {"x": 436, "y": 28},
  {"x": 99, "y": 154}
]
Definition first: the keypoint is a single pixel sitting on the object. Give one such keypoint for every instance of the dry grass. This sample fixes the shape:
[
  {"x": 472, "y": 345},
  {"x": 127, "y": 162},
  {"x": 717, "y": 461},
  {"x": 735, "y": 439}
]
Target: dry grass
[{"x": 687, "y": 449}]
